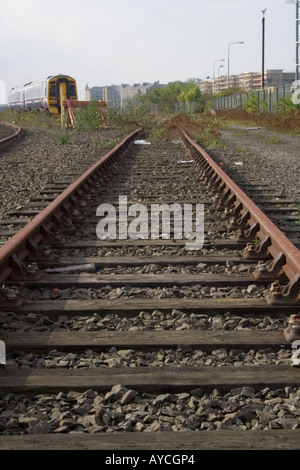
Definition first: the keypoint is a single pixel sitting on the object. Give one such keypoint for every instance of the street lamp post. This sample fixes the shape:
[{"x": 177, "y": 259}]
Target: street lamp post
[
  {"x": 239, "y": 42},
  {"x": 217, "y": 60},
  {"x": 297, "y": 3},
  {"x": 263, "y": 50},
  {"x": 220, "y": 66}
]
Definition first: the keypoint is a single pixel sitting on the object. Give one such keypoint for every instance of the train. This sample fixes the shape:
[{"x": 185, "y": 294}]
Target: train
[{"x": 45, "y": 95}]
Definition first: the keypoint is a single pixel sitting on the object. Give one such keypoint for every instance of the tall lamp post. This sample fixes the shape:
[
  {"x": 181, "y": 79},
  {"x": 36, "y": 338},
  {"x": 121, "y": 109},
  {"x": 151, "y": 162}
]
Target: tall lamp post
[
  {"x": 297, "y": 3},
  {"x": 220, "y": 66},
  {"x": 217, "y": 60},
  {"x": 239, "y": 42},
  {"x": 263, "y": 50}
]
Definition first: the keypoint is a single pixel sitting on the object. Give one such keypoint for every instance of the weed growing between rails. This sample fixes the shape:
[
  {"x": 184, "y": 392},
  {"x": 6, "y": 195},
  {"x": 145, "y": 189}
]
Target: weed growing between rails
[{"x": 144, "y": 225}]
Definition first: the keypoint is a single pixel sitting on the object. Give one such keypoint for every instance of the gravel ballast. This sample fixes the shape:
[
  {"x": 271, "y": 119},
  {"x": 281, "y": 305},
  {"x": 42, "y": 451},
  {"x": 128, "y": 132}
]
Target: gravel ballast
[
  {"x": 39, "y": 159},
  {"x": 123, "y": 409}
]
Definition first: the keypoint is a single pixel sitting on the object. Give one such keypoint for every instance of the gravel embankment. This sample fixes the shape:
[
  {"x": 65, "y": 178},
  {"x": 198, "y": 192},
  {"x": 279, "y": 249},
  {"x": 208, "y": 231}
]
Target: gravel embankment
[
  {"x": 39, "y": 159},
  {"x": 258, "y": 154}
]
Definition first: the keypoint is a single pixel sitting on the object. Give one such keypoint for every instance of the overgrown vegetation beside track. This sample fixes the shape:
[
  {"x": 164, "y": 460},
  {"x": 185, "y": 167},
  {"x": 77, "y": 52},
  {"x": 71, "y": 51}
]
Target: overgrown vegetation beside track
[
  {"x": 287, "y": 122},
  {"x": 204, "y": 128},
  {"x": 30, "y": 119}
]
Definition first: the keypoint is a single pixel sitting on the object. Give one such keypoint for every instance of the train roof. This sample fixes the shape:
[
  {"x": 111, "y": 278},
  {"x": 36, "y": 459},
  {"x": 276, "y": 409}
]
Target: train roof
[
  {"x": 59, "y": 75},
  {"x": 50, "y": 77}
]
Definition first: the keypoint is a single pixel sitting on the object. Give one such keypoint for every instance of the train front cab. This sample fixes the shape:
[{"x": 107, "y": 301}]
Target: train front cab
[{"x": 59, "y": 90}]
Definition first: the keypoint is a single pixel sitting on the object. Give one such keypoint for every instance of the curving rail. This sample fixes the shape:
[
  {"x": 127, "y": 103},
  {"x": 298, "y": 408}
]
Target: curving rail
[{"x": 17, "y": 133}]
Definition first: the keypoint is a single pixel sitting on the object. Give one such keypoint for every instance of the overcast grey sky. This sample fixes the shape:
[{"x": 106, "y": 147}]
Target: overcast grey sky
[{"x": 105, "y": 42}]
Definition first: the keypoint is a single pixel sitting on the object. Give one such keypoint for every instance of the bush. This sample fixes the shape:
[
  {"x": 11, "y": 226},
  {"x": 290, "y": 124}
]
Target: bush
[
  {"x": 63, "y": 137},
  {"x": 89, "y": 118}
]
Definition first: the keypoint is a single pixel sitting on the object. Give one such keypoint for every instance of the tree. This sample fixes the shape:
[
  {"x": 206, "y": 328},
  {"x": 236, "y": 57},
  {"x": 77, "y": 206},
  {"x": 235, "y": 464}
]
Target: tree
[{"x": 189, "y": 92}]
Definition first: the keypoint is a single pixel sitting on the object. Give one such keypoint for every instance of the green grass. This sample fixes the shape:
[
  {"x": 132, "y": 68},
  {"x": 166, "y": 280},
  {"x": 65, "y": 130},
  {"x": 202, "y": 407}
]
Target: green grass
[
  {"x": 270, "y": 139},
  {"x": 106, "y": 144},
  {"x": 30, "y": 119},
  {"x": 63, "y": 137}
]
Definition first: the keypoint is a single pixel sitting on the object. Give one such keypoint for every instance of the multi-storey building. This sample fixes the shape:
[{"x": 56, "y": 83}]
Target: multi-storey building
[
  {"x": 247, "y": 81},
  {"x": 116, "y": 94}
]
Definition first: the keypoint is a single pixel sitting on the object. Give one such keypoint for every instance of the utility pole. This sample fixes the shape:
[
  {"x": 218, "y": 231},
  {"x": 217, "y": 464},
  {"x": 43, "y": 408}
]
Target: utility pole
[
  {"x": 263, "y": 50},
  {"x": 296, "y": 2}
]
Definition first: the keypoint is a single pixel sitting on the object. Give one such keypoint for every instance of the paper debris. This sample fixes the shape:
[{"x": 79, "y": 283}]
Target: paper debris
[
  {"x": 79, "y": 268},
  {"x": 142, "y": 142}
]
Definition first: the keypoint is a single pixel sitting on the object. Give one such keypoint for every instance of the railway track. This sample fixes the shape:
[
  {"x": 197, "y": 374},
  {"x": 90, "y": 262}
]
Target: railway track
[
  {"x": 172, "y": 347},
  {"x": 9, "y": 133}
]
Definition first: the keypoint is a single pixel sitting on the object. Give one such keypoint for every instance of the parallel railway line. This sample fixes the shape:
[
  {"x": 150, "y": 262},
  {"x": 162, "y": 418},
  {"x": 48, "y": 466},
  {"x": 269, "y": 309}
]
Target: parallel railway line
[
  {"x": 8, "y": 134},
  {"x": 194, "y": 339}
]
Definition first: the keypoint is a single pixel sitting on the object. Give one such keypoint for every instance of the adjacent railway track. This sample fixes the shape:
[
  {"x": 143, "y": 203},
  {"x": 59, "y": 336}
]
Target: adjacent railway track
[
  {"x": 8, "y": 134},
  {"x": 141, "y": 335}
]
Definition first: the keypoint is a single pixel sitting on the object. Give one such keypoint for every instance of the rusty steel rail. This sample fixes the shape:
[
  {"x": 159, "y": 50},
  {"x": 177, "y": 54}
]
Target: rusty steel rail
[
  {"x": 31, "y": 243},
  {"x": 281, "y": 259},
  {"x": 8, "y": 140}
]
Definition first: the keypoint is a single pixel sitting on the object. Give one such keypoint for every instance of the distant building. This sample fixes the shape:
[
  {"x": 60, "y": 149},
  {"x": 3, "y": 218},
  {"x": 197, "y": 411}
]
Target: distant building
[
  {"x": 117, "y": 94},
  {"x": 206, "y": 86},
  {"x": 247, "y": 81},
  {"x": 87, "y": 94}
]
